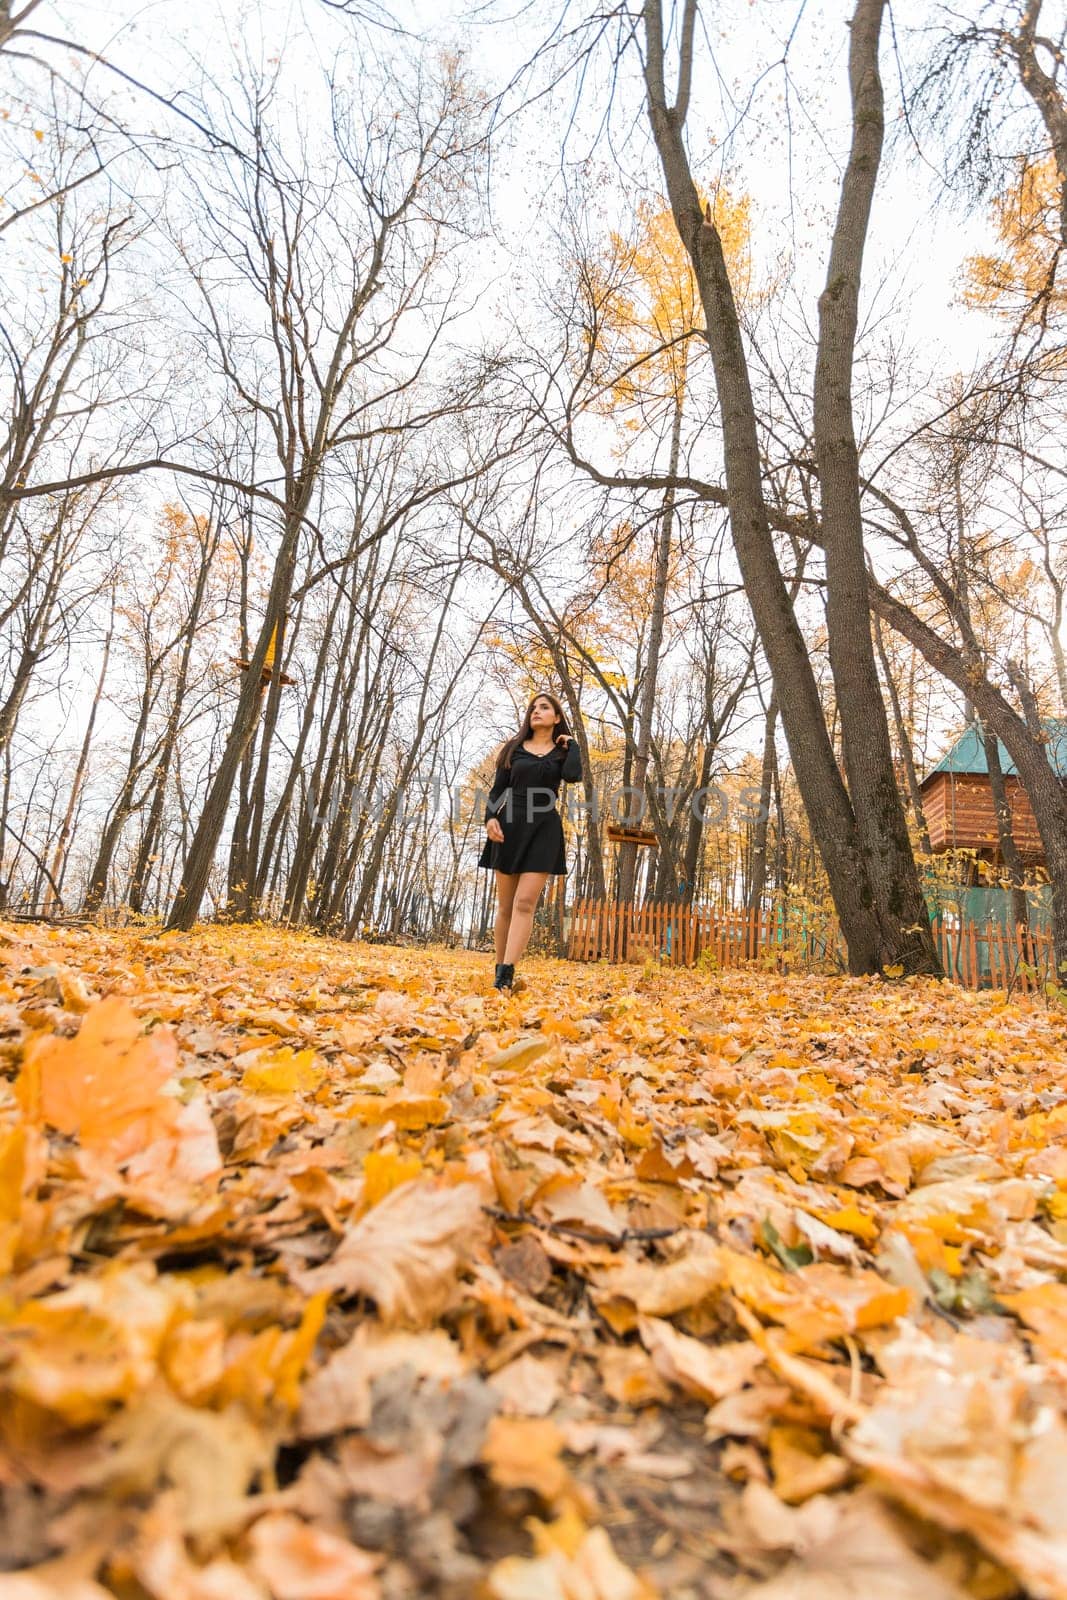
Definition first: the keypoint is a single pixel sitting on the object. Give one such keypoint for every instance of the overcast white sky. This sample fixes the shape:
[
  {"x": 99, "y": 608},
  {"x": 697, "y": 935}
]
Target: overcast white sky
[{"x": 786, "y": 154}]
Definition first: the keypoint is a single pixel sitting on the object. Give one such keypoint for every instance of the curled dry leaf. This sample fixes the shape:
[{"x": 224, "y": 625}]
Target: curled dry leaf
[
  {"x": 662, "y": 1288},
  {"x": 583, "y": 1205},
  {"x": 591, "y": 1572},
  {"x": 964, "y": 1438},
  {"x": 406, "y": 1254},
  {"x": 523, "y": 1053},
  {"x": 524, "y": 1453},
  {"x": 527, "y": 1387},
  {"x": 707, "y": 1371},
  {"x": 298, "y": 1562},
  {"x": 861, "y": 1556},
  {"x": 339, "y": 1394}
]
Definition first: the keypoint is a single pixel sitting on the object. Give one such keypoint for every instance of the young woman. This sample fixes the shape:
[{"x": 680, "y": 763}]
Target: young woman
[{"x": 524, "y": 844}]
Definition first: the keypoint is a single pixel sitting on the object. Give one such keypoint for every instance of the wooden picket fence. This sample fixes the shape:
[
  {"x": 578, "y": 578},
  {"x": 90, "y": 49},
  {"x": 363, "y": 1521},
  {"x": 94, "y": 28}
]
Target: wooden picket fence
[
  {"x": 990, "y": 956},
  {"x": 681, "y": 935}
]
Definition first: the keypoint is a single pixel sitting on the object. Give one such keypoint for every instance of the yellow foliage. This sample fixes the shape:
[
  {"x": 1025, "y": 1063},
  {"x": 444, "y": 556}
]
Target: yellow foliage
[
  {"x": 1018, "y": 283},
  {"x": 649, "y": 301}
]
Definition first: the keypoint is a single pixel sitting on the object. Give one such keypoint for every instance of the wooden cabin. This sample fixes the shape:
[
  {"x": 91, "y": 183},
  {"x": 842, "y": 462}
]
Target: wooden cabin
[{"x": 958, "y": 801}]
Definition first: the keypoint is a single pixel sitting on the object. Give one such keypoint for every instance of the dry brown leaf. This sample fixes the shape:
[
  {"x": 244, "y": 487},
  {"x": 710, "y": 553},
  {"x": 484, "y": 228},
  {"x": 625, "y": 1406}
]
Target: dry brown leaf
[
  {"x": 584, "y": 1205},
  {"x": 523, "y": 1053},
  {"x": 863, "y": 1556},
  {"x": 707, "y": 1371},
  {"x": 630, "y": 1377},
  {"x": 746, "y": 1415},
  {"x": 338, "y": 1395},
  {"x": 528, "y": 1387},
  {"x": 407, "y": 1253},
  {"x": 298, "y": 1562},
  {"x": 661, "y": 1289},
  {"x": 801, "y": 1464},
  {"x": 591, "y": 1572},
  {"x": 524, "y": 1453},
  {"x": 526, "y": 1264}
]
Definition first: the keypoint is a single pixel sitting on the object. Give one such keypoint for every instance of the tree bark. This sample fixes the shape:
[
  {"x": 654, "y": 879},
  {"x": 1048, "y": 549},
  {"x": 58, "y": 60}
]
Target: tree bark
[
  {"x": 59, "y": 859},
  {"x": 201, "y": 857},
  {"x": 906, "y": 936},
  {"x": 647, "y": 703},
  {"x": 821, "y": 785},
  {"x": 758, "y": 869},
  {"x": 904, "y": 744}
]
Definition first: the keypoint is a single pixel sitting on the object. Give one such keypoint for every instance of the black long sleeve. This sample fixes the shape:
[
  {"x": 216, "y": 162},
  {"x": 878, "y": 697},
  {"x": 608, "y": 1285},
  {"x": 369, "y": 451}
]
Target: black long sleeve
[
  {"x": 500, "y": 783},
  {"x": 571, "y": 769}
]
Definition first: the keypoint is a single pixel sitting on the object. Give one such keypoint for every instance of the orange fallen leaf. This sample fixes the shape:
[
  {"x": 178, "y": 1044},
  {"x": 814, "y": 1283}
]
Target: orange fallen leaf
[
  {"x": 524, "y": 1453},
  {"x": 705, "y": 1370},
  {"x": 300, "y": 1562},
  {"x": 103, "y": 1086},
  {"x": 407, "y": 1253}
]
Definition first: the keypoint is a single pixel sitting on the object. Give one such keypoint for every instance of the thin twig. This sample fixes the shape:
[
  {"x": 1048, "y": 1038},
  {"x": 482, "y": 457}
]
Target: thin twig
[{"x": 627, "y": 1236}]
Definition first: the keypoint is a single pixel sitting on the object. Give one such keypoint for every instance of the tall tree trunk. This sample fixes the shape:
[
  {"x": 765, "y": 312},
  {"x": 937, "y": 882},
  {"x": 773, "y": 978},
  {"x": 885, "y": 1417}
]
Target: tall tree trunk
[
  {"x": 758, "y": 870},
  {"x": 201, "y": 857},
  {"x": 821, "y": 785},
  {"x": 124, "y": 802},
  {"x": 904, "y": 744},
  {"x": 647, "y": 703},
  {"x": 59, "y": 858},
  {"x": 258, "y": 862},
  {"x": 296, "y": 767},
  {"x": 906, "y": 935}
]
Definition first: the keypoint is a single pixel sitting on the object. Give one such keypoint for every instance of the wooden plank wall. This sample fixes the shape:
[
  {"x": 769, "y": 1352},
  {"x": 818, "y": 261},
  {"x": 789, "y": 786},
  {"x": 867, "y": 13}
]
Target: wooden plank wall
[
  {"x": 990, "y": 956},
  {"x": 959, "y": 812}
]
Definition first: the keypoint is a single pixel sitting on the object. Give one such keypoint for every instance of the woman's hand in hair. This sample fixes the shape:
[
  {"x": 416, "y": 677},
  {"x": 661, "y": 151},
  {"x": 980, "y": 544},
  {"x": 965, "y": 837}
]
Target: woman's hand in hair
[{"x": 564, "y": 739}]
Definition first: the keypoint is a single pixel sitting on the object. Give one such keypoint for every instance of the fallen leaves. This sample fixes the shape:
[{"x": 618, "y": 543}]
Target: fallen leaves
[
  {"x": 102, "y": 1086},
  {"x": 297, "y": 1562},
  {"x": 407, "y": 1252},
  {"x": 328, "y": 1274}
]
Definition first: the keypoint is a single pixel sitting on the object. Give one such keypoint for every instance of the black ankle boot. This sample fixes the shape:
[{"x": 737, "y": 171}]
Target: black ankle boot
[
  {"x": 496, "y": 974},
  {"x": 505, "y": 972}
]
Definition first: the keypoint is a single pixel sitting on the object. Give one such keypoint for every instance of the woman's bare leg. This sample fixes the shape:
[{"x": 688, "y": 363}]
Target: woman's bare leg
[
  {"x": 506, "y": 884},
  {"x": 527, "y": 893}
]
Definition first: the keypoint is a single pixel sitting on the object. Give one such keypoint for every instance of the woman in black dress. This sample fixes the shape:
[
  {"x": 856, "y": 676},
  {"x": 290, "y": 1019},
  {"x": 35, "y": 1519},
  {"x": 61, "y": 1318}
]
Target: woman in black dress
[{"x": 524, "y": 843}]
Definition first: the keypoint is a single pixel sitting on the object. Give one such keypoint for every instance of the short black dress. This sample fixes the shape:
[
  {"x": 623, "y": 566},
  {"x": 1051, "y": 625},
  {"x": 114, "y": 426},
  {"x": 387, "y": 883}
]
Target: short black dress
[{"x": 533, "y": 828}]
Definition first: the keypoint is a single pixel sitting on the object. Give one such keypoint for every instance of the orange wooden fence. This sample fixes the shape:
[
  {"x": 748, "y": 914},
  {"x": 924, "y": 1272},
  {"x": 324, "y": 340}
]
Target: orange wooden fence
[
  {"x": 975, "y": 956},
  {"x": 682, "y": 935}
]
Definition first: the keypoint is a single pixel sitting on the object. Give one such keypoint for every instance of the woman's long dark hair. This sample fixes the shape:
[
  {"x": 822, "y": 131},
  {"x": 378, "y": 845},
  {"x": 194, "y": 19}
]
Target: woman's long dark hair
[{"x": 507, "y": 750}]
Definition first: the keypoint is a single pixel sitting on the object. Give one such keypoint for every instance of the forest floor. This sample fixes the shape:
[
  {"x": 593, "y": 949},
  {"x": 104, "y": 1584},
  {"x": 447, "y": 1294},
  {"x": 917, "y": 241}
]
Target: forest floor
[{"x": 331, "y": 1274}]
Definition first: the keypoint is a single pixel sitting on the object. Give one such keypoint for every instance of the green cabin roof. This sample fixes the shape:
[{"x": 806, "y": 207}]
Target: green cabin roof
[{"x": 968, "y": 753}]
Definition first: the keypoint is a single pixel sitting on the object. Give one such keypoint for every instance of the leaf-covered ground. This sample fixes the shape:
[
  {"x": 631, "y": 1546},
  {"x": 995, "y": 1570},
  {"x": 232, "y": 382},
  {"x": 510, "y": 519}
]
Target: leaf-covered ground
[{"x": 331, "y": 1274}]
